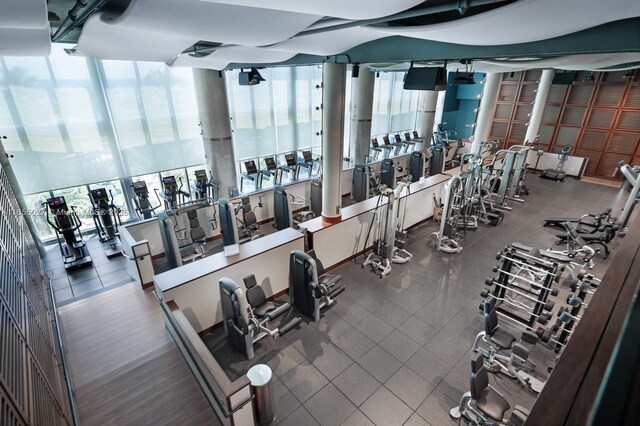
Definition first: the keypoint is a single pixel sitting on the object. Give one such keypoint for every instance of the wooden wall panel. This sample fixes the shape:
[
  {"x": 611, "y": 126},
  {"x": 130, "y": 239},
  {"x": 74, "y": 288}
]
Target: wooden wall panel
[{"x": 599, "y": 115}]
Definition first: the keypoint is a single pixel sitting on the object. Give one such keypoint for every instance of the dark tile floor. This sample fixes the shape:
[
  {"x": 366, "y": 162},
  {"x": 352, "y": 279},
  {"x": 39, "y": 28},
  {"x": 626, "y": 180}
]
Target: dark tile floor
[
  {"x": 396, "y": 350},
  {"x": 104, "y": 273}
]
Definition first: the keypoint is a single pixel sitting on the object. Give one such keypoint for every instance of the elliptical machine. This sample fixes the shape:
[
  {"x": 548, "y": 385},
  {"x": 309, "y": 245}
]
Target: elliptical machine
[
  {"x": 204, "y": 187},
  {"x": 172, "y": 194},
  {"x": 66, "y": 222},
  {"x": 106, "y": 217},
  {"x": 141, "y": 200}
]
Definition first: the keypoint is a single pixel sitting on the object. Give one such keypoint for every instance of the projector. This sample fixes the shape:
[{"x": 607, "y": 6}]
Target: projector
[{"x": 463, "y": 78}]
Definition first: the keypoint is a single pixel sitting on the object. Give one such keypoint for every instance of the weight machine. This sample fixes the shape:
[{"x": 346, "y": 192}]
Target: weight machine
[
  {"x": 388, "y": 246},
  {"x": 631, "y": 185},
  {"x": 106, "y": 217}
]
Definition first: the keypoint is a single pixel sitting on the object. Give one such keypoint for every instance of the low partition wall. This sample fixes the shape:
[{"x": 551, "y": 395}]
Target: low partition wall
[
  {"x": 335, "y": 243},
  {"x": 194, "y": 286},
  {"x": 233, "y": 402}
]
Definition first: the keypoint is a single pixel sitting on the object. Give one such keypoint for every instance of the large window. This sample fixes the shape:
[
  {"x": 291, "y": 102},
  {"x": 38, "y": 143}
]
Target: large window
[
  {"x": 280, "y": 114},
  {"x": 73, "y": 121},
  {"x": 394, "y": 109}
]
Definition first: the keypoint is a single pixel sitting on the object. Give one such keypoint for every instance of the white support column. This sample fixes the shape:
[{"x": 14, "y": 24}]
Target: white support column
[
  {"x": 487, "y": 109},
  {"x": 211, "y": 96},
  {"x": 544, "y": 85},
  {"x": 427, "y": 101},
  {"x": 361, "y": 113},
  {"x": 439, "y": 110},
  {"x": 333, "y": 96}
]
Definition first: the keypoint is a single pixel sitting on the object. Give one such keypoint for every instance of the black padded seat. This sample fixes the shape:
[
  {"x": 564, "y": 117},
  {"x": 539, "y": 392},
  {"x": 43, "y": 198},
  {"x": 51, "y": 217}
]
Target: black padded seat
[
  {"x": 502, "y": 338},
  {"x": 492, "y": 404},
  {"x": 497, "y": 335},
  {"x": 327, "y": 280},
  {"x": 256, "y": 297},
  {"x": 264, "y": 309}
]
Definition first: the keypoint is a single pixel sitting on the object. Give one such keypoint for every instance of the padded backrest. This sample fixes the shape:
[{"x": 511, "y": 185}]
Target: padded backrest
[
  {"x": 281, "y": 209},
  {"x": 388, "y": 173},
  {"x": 300, "y": 275},
  {"x": 249, "y": 218},
  {"x": 490, "y": 318},
  {"x": 307, "y": 156},
  {"x": 479, "y": 376},
  {"x": 319, "y": 265},
  {"x": 416, "y": 166},
  {"x": 255, "y": 294}
]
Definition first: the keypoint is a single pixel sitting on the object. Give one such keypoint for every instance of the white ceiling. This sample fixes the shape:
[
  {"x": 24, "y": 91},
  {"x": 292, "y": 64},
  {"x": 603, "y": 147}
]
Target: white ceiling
[
  {"x": 266, "y": 31},
  {"x": 24, "y": 29}
]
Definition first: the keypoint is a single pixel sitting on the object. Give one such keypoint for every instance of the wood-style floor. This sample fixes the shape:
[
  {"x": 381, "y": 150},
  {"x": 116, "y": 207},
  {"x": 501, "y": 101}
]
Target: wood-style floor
[{"x": 125, "y": 368}]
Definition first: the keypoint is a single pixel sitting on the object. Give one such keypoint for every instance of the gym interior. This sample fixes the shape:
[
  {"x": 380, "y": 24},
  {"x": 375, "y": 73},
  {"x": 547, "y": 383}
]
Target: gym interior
[{"x": 319, "y": 213}]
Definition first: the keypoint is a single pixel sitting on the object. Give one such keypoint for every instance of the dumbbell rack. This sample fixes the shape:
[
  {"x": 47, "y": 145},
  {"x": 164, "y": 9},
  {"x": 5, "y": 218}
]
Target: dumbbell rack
[
  {"x": 584, "y": 286},
  {"x": 509, "y": 282}
]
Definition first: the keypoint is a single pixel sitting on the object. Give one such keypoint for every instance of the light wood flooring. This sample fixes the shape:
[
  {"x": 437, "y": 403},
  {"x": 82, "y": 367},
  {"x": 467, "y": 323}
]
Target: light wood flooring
[{"x": 124, "y": 366}]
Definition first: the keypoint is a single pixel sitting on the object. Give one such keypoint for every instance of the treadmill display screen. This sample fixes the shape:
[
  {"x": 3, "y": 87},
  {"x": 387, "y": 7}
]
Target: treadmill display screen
[
  {"x": 250, "y": 167},
  {"x": 270, "y": 162},
  {"x": 291, "y": 160}
]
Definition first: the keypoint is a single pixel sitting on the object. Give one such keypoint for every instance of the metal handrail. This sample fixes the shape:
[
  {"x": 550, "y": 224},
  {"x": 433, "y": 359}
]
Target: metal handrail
[{"x": 63, "y": 359}]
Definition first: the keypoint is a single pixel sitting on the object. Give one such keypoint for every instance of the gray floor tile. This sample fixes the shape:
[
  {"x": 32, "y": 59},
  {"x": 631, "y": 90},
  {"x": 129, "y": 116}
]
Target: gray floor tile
[
  {"x": 283, "y": 400},
  {"x": 300, "y": 417},
  {"x": 332, "y": 326},
  {"x": 60, "y": 283},
  {"x": 385, "y": 409},
  {"x": 435, "y": 316},
  {"x": 435, "y": 409},
  {"x": 418, "y": 330},
  {"x": 57, "y": 273},
  {"x": 307, "y": 340},
  {"x": 416, "y": 420},
  {"x": 329, "y": 406},
  {"x": 447, "y": 346},
  {"x": 379, "y": 363},
  {"x": 100, "y": 259},
  {"x": 331, "y": 361},
  {"x": 374, "y": 328},
  {"x": 107, "y": 268},
  {"x": 369, "y": 301},
  {"x": 81, "y": 275},
  {"x": 356, "y": 384},
  {"x": 429, "y": 366},
  {"x": 354, "y": 343},
  {"x": 357, "y": 419},
  {"x": 392, "y": 314},
  {"x": 351, "y": 313},
  {"x": 409, "y": 387},
  {"x": 284, "y": 360},
  {"x": 63, "y": 295},
  {"x": 399, "y": 345},
  {"x": 86, "y": 287},
  {"x": 304, "y": 381},
  {"x": 116, "y": 277}
]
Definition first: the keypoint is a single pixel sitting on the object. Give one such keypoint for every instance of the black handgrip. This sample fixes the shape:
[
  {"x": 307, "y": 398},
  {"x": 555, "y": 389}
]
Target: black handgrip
[{"x": 289, "y": 326}]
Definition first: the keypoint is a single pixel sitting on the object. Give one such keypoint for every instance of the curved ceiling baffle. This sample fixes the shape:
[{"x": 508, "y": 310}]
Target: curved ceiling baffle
[
  {"x": 24, "y": 28},
  {"x": 222, "y": 34}
]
